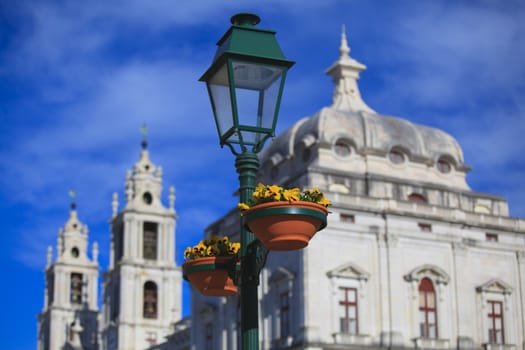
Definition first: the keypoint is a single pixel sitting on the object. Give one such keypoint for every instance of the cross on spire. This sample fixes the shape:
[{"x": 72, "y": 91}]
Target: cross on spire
[
  {"x": 144, "y": 132},
  {"x": 73, "y": 195}
]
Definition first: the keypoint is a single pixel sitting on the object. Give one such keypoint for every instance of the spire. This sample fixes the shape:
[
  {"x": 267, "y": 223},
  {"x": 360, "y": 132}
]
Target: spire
[
  {"x": 144, "y": 164},
  {"x": 144, "y": 181},
  {"x": 73, "y": 224},
  {"x": 345, "y": 73}
]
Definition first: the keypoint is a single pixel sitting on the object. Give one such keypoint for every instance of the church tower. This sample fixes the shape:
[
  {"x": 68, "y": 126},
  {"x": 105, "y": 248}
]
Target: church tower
[
  {"x": 69, "y": 317},
  {"x": 142, "y": 287}
]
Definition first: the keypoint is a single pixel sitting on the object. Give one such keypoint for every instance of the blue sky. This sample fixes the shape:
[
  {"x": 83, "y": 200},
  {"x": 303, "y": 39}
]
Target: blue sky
[{"x": 78, "y": 79}]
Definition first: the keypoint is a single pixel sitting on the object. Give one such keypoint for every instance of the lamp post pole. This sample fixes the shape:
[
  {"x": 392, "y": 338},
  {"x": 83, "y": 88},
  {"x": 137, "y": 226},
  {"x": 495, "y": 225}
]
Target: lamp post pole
[
  {"x": 245, "y": 83},
  {"x": 247, "y": 165}
]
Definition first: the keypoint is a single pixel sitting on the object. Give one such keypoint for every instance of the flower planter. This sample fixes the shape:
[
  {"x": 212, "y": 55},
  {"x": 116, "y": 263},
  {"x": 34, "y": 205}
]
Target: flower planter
[
  {"x": 210, "y": 275},
  {"x": 285, "y": 225}
]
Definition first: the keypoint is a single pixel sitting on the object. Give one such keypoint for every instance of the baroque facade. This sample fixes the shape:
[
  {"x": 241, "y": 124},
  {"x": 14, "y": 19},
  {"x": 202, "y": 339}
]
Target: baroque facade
[
  {"x": 411, "y": 256},
  {"x": 142, "y": 288},
  {"x": 69, "y": 319}
]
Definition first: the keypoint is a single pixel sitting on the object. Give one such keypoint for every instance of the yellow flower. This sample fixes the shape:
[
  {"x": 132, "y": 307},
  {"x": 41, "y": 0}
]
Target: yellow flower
[
  {"x": 200, "y": 249},
  {"x": 233, "y": 248},
  {"x": 243, "y": 206},
  {"x": 274, "y": 191},
  {"x": 259, "y": 191},
  {"x": 213, "y": 250},
  {"x": 324, "y": 201},
  {"x": 214, "y": 246},
  {"x": 291, "y": 194}
]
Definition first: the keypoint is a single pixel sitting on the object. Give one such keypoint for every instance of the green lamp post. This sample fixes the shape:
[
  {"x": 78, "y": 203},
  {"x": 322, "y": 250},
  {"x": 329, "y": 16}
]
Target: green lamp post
[{"x": 245, "y": 84}]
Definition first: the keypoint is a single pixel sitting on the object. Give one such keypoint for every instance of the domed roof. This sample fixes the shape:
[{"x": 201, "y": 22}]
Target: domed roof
[{"x": 352, "y": 120}]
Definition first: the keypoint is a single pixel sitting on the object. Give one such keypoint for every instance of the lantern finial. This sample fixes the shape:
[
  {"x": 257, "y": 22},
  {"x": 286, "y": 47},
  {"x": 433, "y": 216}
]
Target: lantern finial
[{"x": 245, "y": 19}]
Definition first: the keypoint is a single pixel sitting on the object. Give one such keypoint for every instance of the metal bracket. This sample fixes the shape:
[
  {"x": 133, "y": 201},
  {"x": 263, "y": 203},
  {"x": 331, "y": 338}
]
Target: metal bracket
[
  {"x": 261, "y": 253},
  {"x": 250, "y": 265}
]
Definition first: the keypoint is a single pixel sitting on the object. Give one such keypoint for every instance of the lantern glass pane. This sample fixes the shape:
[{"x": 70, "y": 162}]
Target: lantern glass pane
[
  {"x": 219, "y": 90},
  {"x": 257, "y": 91}
]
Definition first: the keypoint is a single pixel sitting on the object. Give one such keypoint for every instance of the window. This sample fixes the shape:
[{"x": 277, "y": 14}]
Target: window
[
  {"x": 491, "y": 237},
  {"x": 396, "y": 157},
  {"x": 427, "y": 310},
  {"x": 348, "y": 322},
  {"x": 351, "y": 321},
  {"x": 150, "y": 240},
  {"x": 425, "y": 227},
  {"x": 147, "y": 198},
  {"x": 209, "y": 336},
  {"x": 495, "y": 316},
  {"x": 74, "y": 252},
  {"x": 443, "y": 166},
  {"x": 347, "y": 218},
  {"x": 285, "y": 315},
  {"x": 342, "y": 148},
  {"x": 416, "y": 197},
  {"x": 75, "y": 289},
  {"x": 494, "y": 296},
  {"x": 150, "y": 300}
]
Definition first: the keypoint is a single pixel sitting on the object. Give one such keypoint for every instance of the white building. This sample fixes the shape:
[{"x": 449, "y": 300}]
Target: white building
[
  {"x": 69, "y": 319},
  {"x": 411, "y": 256},
  {"x": 141, "y": 288}
]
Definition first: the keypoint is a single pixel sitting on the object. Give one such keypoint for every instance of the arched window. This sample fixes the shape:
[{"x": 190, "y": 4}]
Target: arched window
[
  {"x": 427, "y": 309},
  {"x": 150, "y": 300},
  {"x": 75, "y": 290},
  {"x": 342, "y": 148},
  {"x": 443, "y": 166},
  {"x": 150, "y": 238},
  {"x": 416, "y": 197},
  {"x": 396, "y": 156}
]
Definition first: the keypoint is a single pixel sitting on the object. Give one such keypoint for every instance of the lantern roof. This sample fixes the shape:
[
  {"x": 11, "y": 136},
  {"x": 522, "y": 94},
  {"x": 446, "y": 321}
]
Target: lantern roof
[{"x": 244, "y": 39}]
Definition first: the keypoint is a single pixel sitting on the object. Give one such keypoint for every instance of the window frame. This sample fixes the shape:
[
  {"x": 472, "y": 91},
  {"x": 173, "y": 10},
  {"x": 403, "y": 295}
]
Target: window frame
[
  {"x": 440, "y": 281},
  {"x": 347, "y": 304},
  {"x": 150, "y": 228},
  {"x": 350, "y": 276},
  {"x": 492, "y": 319},
  {"x": 75, "y": 290},
  {"x": 284, "y": 315},
  {"x": 426, "y": 287},
  {"x": 281, "y": 283},
  {"x": 489, "y": 293},
  {"x": 148, "y": 293}
]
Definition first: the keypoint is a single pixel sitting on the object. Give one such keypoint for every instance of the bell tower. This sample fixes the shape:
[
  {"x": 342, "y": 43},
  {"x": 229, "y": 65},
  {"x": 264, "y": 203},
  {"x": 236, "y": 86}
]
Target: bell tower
[
  {"x": 69, "y": 317},
  {"x": 142, "y": 287}
]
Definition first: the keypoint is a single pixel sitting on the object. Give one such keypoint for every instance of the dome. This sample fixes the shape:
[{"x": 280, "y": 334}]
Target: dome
[{"x": 352, "y": 121}]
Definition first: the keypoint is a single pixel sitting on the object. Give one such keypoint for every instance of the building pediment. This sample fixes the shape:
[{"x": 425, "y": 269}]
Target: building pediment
[
  {"x": 350, "y": 271},
  {"x": 495, "y": 286},
  {"x": 433, "y": 272}
]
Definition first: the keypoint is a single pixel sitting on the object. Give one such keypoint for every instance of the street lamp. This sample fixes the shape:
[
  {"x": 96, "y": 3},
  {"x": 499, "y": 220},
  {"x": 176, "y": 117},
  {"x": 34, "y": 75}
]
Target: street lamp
[{"x": 245, "y": 84}]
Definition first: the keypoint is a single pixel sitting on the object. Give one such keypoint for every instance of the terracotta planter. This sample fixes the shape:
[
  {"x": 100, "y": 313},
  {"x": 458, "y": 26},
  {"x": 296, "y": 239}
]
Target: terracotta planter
[
  {"x": 210, "y": 275},
  {"x": 285, "y": 225}
]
